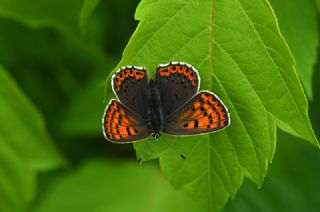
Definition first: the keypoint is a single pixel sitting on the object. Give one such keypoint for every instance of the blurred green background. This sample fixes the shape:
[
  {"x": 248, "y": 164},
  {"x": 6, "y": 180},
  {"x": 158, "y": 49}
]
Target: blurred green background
[{"x": 55, "y": 63}]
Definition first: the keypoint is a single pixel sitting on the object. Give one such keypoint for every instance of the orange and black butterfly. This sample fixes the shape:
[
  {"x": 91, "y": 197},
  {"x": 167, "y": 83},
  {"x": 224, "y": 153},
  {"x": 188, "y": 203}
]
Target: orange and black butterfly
[{"x": 170, "y": 104}]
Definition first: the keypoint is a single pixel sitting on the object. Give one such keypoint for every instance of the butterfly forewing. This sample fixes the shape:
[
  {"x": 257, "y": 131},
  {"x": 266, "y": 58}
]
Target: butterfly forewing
[
  {"x": 130, "y": 85},
  {"x": 121, "y": 125},
  {"x": 177, "y": 83},
  {"x": 204, "y": 113}
]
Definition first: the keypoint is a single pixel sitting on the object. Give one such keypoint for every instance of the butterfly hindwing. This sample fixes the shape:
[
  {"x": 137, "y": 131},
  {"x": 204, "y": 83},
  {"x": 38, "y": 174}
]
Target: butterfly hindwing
[
  {"x": 129, "y": 84},
  {"x": 204, "y": 113},
  {"x": 121, "y": 125},
  {"x": 177, "y": 83}
]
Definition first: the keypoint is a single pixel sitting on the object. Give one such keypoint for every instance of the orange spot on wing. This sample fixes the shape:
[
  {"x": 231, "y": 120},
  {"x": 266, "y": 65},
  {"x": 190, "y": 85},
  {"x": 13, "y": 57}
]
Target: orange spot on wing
[
  {"x": 164, "y": 72},
  {"x": 181, "y": 69},
  {"x": 196, "y": 104},
  {"x": 123, "y": 132},
  {"x": 131, "y": 72},
  {"x": 120, "y": 76},
  {"x": 191, "y": 124},
  {"x": 126, "y": 74},
  {"x": 118, "y": 82},
  {"x": 113, "y": 125},
  {"x": 194, "y": 82},
  {"x": 139, "y": 75},
  {"x": 114, "y": 131},
  {"x": 186, "y": 72},
  {"x": 196, "y": 114},
  {"x": 204, "y": 121},
  {"x": 132, "y": 131},
  {"x": 205, "y": 97},
  {"x": 115, "y": 120},
  {"x": 124, "y": 120},
  {"x": 191, "y": 76},
  {"x": 116, "y": 114},
  {"x": 173, "y": 70},
  {"x": 206, "y": 106},
  {"x": 185, "y": 114},
  {"x": 214, "y": 125},
  {"x": 122, "y": 112}
]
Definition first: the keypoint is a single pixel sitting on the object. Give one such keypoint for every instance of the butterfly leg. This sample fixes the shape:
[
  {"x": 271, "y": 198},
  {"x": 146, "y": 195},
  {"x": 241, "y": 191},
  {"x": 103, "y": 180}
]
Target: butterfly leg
[{"x": 174, "y": 148}]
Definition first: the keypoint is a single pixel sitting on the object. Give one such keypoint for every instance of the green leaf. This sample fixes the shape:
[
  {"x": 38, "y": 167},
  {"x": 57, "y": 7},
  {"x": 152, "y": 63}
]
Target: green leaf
[
  {"x": 240, "y": 54},
  {"x": 26, "y": 148},
  {"x": 85, "y": 13},
  {"x": 101, "y": 186},
  {"x": 68, "y": 16},
  {"x": 298, "y": 23},
  {"x": 318, "y": 4},
  {"x": 71, "y": 123},
  {"x": 293, "y": 178},
  {"x": 37, "y": 13}
]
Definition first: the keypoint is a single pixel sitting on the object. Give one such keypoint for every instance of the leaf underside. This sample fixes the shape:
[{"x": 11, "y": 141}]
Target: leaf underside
[{"x": 242, "y": 57}]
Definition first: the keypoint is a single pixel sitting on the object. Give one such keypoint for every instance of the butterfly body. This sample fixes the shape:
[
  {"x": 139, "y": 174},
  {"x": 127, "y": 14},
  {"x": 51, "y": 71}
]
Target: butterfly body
[
  {"x": 169, "y": 103},
  {"x": 154, "y": 115}
]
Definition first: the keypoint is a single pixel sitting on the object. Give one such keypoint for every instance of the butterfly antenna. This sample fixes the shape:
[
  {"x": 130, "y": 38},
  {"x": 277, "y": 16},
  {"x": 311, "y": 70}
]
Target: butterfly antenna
[
  {"x": 146, "y": 148},
  {"x": 171, "y": 146}
]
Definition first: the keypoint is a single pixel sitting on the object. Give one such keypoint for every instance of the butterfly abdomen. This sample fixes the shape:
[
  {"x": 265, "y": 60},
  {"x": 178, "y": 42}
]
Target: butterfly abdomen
[{"x": 154, "y": 111}]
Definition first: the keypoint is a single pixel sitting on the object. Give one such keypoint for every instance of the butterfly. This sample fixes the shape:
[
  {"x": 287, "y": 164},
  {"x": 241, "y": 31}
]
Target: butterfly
[{"x": 170, "y": 103}]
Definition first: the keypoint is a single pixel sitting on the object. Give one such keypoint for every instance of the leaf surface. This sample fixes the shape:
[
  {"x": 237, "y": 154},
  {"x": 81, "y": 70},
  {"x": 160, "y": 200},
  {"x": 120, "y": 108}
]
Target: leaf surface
[
  {"x": 298, "y": 23},
  {"x": 26, "y": 147},
  {"x": 242, "y": 57},
  {"x": 68, "y": 16},
  {"x": 104, "y": 186}
]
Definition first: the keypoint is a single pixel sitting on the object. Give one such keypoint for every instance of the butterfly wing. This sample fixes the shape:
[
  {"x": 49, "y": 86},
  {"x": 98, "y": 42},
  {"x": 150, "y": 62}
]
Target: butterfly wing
[
  {"x": 130, "y": 84},
  {"x": 122, "y": 125},
  {"x": 177, "y": 83},
  {"x": 204, "y": 113}
]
